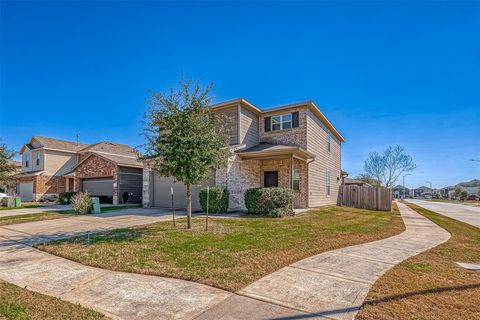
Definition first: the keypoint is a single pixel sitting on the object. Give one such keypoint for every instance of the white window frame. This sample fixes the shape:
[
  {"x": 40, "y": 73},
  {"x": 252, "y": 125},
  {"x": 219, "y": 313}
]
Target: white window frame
[
  {"x": 281, "y": 121},
  {"x": 27, "y": 160},
  {"x": 327, "y": 182},
  {"x": 37, "y": 158},
  {"x": 296, "y": 178},
  {"x": 329, "y": 138}
]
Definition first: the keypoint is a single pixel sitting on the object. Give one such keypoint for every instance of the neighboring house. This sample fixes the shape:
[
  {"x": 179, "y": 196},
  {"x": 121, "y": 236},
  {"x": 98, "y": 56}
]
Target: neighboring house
[
  {"x": 293, "y": 146},
  {"x": 104, "y": 169},
  {"x": 354, "y": 182},
  {"x": 400, "y": 192},
  {"x": 422, "y": 191}
]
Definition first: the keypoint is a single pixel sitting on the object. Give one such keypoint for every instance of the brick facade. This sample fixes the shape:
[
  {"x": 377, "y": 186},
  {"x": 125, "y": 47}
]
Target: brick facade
[
  {"x": 97, "y": 167},
  {"x": 290, "y": 137},
  {"x": 44, "y": 186}
]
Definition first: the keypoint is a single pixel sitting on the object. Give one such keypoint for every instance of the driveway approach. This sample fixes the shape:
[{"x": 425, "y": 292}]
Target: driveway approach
[{"x": 460, "y": 212}]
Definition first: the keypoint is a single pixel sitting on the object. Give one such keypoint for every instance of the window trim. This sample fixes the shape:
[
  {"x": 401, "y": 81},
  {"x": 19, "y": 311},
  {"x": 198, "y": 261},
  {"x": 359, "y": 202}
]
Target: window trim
[
  {"x": 37, "y": 158},
  {"x": 281, "y": 122},
  {"x": 329, "y": 141},
  {"x": 27, "y": 160},
  {"x": 327, "y": 182},
  {"x": 296, "y": 180}
]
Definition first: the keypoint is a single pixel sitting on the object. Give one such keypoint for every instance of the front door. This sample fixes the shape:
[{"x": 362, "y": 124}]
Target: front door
[{"x": 270, "y": 179}]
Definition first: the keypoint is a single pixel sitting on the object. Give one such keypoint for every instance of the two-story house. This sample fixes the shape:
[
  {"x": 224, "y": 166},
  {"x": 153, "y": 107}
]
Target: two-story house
[
  {"x": 107, "y": 170},
  {"x": 293, "y": 146}
]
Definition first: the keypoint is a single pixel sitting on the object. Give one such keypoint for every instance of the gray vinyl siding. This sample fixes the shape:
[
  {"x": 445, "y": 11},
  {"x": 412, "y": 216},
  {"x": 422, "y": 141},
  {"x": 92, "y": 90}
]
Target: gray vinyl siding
[
  {"x": 231, "y": 122},
  {"x": 130, "y": 180},
  {"x": 248, "y": 128},
  {"x": 317, "y": 140}
]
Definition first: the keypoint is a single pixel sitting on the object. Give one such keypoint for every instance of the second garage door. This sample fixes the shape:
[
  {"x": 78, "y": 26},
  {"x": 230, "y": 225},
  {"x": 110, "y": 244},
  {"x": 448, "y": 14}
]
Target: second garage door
[
  {"x": 162, "y": 193},
  {"x": 25, "y": 191},
  {"x": 99, "y": 187}
]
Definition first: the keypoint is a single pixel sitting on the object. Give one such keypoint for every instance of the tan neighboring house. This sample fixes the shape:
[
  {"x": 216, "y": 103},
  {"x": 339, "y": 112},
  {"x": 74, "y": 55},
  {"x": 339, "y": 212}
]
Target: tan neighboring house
[
  {"x": 107, "y": 170},
  {"x": 293, "y": 146}
]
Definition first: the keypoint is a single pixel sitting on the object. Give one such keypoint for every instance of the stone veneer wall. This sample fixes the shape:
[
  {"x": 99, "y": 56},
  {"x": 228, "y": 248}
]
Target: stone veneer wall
[
  {"x": 243, "y": 174},
  {"x": 238, "y": 176},
  {"x": 96, "y": 167},
  {"x": 285, "y": 176}
]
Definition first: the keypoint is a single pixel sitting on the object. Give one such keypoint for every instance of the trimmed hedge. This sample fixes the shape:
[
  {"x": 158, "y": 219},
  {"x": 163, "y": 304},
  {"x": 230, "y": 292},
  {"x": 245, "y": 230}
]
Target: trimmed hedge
[
  {"x": 217, "y": 201},
  {"x": 64, "y": 197},
  {"x": 274, "y": 202}
]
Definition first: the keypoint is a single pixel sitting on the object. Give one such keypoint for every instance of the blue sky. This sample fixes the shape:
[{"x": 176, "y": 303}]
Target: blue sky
[{"x": 384, "y": 72}]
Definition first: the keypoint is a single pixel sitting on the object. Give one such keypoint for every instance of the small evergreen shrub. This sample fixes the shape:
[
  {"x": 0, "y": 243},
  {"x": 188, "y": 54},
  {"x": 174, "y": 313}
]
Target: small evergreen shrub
[
  {"x": 82, "y": 203},
  {"x": 65, "y": 197},
  {"x": 218, "y": 200},
  {"x": 274, "y": 202}
]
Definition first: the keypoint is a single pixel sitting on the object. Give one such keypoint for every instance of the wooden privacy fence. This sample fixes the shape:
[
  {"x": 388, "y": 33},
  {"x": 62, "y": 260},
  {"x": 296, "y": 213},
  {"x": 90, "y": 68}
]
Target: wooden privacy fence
[{"x": 365, "y": 197}]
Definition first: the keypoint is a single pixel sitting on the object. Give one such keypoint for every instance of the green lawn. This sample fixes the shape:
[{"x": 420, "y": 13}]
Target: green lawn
[
  {"x": 431, "y": 285},
  {"x": 21, "y": 304},
  {"x": 235, "y": 251},
  {"x": 50, "y": 215},
  {"x": 23, "y": 207}
]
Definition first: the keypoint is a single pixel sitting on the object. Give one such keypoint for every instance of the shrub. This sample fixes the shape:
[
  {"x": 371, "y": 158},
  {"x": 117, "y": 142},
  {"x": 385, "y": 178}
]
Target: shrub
[
  {"x": 64, "y": 197},
  {"x": 82, "y": 203},
  {"x": 217, "y": 201},
  {"x": 274, "y": 202}
]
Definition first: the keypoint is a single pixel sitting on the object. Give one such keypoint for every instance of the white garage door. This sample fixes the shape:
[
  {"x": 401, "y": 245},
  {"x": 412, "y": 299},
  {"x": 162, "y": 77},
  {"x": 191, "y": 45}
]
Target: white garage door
[
  {"x": 98, "y": 186},
  {"x": 25, "y": 191},
  {"x": 162, "y": 194}
]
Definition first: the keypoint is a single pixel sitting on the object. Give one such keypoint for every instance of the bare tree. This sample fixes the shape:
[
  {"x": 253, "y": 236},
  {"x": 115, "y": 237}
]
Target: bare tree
[{"x": 388, "y": 166}]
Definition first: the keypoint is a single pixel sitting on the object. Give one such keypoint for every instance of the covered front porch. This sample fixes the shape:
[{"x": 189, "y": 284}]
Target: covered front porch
[{"x": 269, "y": 165}]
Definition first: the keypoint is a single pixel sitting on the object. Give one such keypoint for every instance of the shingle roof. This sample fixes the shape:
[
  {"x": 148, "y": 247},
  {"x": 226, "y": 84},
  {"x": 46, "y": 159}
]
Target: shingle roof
[
  {"x": 121, "y": 160},
  {"x": 268, "y": 149},
  {"x": 109, "y": 147},
  {"x": 52, "y": 143}
]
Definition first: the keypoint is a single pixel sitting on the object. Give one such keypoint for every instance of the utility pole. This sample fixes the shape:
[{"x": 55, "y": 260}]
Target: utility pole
[
  {"x": 428, "y": 182},
  {"x": 78, "y": 139}
]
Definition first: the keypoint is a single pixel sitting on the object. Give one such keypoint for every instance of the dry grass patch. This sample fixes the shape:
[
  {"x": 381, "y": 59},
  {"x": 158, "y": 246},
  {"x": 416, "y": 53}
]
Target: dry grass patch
[
  {"x": 235, "y": 251},
  {"x": 20, "y": 304},
  {"x": 30, "y": 218},
  {"x": 431, "y": 285}
]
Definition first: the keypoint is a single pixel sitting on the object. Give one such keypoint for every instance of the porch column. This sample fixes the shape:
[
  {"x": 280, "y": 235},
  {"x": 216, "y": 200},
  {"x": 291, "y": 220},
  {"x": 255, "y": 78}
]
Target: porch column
[{"x": 291, "y": 171}]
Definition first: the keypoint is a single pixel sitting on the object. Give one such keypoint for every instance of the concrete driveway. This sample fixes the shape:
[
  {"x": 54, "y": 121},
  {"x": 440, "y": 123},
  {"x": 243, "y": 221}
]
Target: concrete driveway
[
  {"x": 22, "y": 211},
  {"x": 460, "y": 212}
]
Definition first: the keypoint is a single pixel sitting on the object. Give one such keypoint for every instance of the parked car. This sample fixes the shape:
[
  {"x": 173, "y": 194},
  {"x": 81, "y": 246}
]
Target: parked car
[{"x": 473, "y": 197}]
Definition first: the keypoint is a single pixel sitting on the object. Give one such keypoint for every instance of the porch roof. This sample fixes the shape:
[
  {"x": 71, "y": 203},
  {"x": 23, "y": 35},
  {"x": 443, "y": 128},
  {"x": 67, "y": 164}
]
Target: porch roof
[{"x": 275, "y": 151}]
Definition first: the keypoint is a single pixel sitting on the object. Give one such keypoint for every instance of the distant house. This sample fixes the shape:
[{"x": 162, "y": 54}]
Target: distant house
[
  {"x": 422, "y": 191},
  {"x": 51, "y": 166},
  {"x": 354, "y": 182},
  {"x": 400, "y": 192}
]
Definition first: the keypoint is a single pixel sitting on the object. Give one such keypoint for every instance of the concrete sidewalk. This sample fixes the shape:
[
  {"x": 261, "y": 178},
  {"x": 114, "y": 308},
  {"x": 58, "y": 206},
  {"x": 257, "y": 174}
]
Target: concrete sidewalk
[
  {"x": 460, "y": 212},
  {"x": 333, "y": 285}
]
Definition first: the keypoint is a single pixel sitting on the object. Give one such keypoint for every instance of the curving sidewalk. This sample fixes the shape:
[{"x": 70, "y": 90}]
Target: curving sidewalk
[
  {"x": 331, "y": 285},
  {"x": 334, "y": 284}
]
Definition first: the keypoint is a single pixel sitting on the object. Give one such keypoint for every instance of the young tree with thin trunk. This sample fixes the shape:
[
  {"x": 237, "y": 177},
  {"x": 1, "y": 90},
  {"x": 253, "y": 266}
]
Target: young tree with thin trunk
[
  {"x": 7, "y": 167},
  {"x": 389, "y": 166},
  {"x": 185, "y": 137}
]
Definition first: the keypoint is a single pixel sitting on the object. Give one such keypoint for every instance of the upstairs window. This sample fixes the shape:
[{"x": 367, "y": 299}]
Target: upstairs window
[
  {"x": 281, "y": 122},
  {"x": 27, "y": 160},
  {"x": 327, "y": 179},
  {"x": 329, "y": 138},
  {"x": 37, "y": 160}
]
